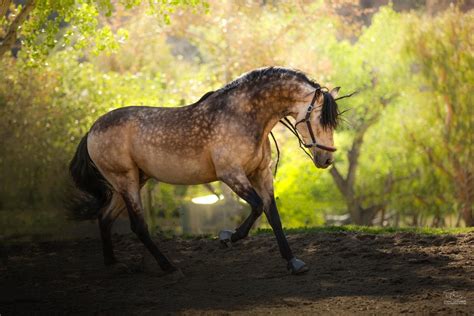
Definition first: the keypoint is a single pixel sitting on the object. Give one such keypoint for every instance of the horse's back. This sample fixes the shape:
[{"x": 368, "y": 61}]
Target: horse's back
[
  {"x": 125, "y": 115},
  {"x": 174, "y": 145},
  {"x": 158, "y": 141}
]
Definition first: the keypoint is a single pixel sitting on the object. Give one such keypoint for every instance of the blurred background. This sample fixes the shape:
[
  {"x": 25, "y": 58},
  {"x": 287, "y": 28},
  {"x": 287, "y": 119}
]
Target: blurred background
[{"x": 405, "y": 147}]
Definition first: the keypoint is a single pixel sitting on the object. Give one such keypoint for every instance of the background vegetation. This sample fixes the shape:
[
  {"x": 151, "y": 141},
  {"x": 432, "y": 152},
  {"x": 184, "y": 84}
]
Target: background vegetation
[{"x": 405, "y": 156}]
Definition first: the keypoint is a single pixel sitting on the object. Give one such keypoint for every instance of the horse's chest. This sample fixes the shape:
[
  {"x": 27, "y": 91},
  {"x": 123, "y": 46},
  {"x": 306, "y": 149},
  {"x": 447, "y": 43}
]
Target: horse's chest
[{"x": 255, "y": 160}]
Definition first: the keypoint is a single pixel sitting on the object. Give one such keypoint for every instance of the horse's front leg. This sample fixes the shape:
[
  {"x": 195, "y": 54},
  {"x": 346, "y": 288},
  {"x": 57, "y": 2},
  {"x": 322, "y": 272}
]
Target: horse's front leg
[
  {"x": 264, "y": 200},
  {"x": 296, "y": 266},
  {"x": 263, "y": 182}
]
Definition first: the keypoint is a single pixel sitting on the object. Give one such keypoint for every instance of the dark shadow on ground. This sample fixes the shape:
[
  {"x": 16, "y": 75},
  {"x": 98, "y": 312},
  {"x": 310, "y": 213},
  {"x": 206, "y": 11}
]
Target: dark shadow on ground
[{"x": 349, "y": 272}]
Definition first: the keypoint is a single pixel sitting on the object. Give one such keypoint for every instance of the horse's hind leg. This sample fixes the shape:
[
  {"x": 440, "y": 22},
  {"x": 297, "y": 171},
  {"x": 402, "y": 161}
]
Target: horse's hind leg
[
  {"x": 131, "y": 197},
  {"x": 240, "y": 184},
  {"x": 258, "y": 194},
  {"x": 106, "y": 218}
]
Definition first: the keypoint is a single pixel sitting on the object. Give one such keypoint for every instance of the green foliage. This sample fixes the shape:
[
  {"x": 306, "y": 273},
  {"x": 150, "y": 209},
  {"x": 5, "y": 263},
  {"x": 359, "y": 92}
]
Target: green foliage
[
  {"x": 44, "y": 125},
  {"x": 374, "y": 66},
  {"x": 221, "y": 36},
  {"x": 371, "y": 230},
  {"x": 44, "y": 31},
  {"x": 442, "y": 81},
  {"x": 406, "y": 66},
  {"x": 303, "y": 193}
]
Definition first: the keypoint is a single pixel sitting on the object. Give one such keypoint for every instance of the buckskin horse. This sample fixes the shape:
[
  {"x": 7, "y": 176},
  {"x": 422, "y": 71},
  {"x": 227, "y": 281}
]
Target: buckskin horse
[{"x": 224, "y": 136}]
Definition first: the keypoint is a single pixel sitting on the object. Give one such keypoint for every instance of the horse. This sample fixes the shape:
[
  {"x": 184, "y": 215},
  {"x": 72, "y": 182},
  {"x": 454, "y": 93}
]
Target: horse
[{"x": 222, "y": 137}]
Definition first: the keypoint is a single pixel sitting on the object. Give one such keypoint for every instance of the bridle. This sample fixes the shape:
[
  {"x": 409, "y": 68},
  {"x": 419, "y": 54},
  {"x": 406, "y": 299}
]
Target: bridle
[
  {"x": 287, "y": 123},
  {"x": 314, "y": 143},
  {"x": 307, "y": 120}
]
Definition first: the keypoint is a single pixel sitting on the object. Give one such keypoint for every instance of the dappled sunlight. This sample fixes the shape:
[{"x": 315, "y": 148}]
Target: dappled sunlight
[
  {"x": 391, "y": 142},
  {"x": 136, "y": 177},
  {"x": 207, "y": 199}
]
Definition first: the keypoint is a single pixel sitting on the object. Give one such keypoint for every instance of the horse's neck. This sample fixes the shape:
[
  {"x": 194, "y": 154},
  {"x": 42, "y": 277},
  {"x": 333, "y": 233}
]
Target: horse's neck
[{"x": 277, "y": 101}]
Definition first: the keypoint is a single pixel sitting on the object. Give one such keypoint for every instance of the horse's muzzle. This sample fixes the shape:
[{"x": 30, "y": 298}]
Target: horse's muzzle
[{"x": 323, "y": 160}]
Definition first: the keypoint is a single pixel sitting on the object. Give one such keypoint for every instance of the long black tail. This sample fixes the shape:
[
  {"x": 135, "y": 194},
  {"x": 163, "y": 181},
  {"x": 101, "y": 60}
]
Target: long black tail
[{"x": 94, "y": 191}]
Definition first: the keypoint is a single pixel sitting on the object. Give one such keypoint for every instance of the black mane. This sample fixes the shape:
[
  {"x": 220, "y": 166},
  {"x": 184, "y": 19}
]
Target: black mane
[
  {"x": 268, "y": 73},
  {"x": 329, "y": 113},
  {"x": 204, "y": 97}
]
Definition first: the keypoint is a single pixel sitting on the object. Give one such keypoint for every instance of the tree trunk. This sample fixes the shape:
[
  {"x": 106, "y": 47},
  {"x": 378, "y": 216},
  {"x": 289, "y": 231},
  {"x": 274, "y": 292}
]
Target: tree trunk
[
  {"x": 458, "y": 220},
  {"x": 397, "y": 220},
  {"x": 466, "y": 211},
  {"x": 466, "y": 192},
  {"x": 361, "y": 215},
  {"x": 346, "y": 185}
]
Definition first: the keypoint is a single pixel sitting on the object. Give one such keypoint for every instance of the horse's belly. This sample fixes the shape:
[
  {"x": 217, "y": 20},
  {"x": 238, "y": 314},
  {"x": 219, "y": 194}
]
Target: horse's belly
[{"x": 175, "y": 169}]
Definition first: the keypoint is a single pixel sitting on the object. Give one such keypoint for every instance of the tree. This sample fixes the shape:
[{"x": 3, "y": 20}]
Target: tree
[
  {"x": 40, "y": 24},
  {"x": 373, "y": 67},
  {"x": 443, "y": 59}
]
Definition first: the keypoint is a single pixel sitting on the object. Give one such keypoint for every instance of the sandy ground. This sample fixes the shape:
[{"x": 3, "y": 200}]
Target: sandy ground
[{"x": 349, "y": 274}]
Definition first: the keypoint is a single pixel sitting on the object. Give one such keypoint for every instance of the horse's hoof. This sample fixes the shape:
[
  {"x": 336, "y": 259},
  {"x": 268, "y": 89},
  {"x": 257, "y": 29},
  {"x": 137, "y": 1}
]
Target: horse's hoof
[
  {"x": 296, "y": 266},
  {"x": 225, "y": 238}
]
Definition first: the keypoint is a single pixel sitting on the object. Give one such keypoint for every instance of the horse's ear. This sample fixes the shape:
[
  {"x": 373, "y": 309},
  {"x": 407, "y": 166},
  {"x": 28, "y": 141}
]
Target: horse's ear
[{"x": 334, "y": 92}]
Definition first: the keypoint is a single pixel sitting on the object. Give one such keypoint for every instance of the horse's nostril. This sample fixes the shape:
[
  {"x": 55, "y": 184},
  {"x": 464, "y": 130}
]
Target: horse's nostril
[{"x": 329, "y": 161}]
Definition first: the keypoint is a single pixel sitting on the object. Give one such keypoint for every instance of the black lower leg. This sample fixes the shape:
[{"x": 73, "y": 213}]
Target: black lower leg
[
  {"x": 140, "y": 228},
  {"x": 105, "y": 226},
  {"x": 144, "y": 236},
  {"x": 256, "y": 203},
  {"x": 274, "y": 220}
]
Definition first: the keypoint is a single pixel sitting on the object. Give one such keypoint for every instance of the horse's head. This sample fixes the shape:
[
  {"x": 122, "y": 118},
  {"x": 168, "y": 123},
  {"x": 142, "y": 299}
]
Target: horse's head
[{"x": 316, "y": 123}]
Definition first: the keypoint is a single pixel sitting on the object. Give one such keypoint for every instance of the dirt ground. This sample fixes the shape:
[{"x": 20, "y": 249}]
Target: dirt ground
[{"x": 349, "y": 274}]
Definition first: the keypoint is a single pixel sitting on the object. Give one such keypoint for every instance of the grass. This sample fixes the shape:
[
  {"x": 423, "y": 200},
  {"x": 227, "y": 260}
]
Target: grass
[
  {"x": 374, "y": 230},
  {"x": 47, "y": 224},
  {"x": 371, "y": 230}
]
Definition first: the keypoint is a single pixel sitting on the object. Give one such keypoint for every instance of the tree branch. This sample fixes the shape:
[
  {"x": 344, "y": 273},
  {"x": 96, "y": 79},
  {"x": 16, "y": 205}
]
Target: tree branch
[
  {"x": 354, "y": 153},
  {"x": 429, "y": 154},
  {"x": 340, "y": 182},
  {"x": 4, "y": 6},
  {"x": 12, "y": 33}
]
